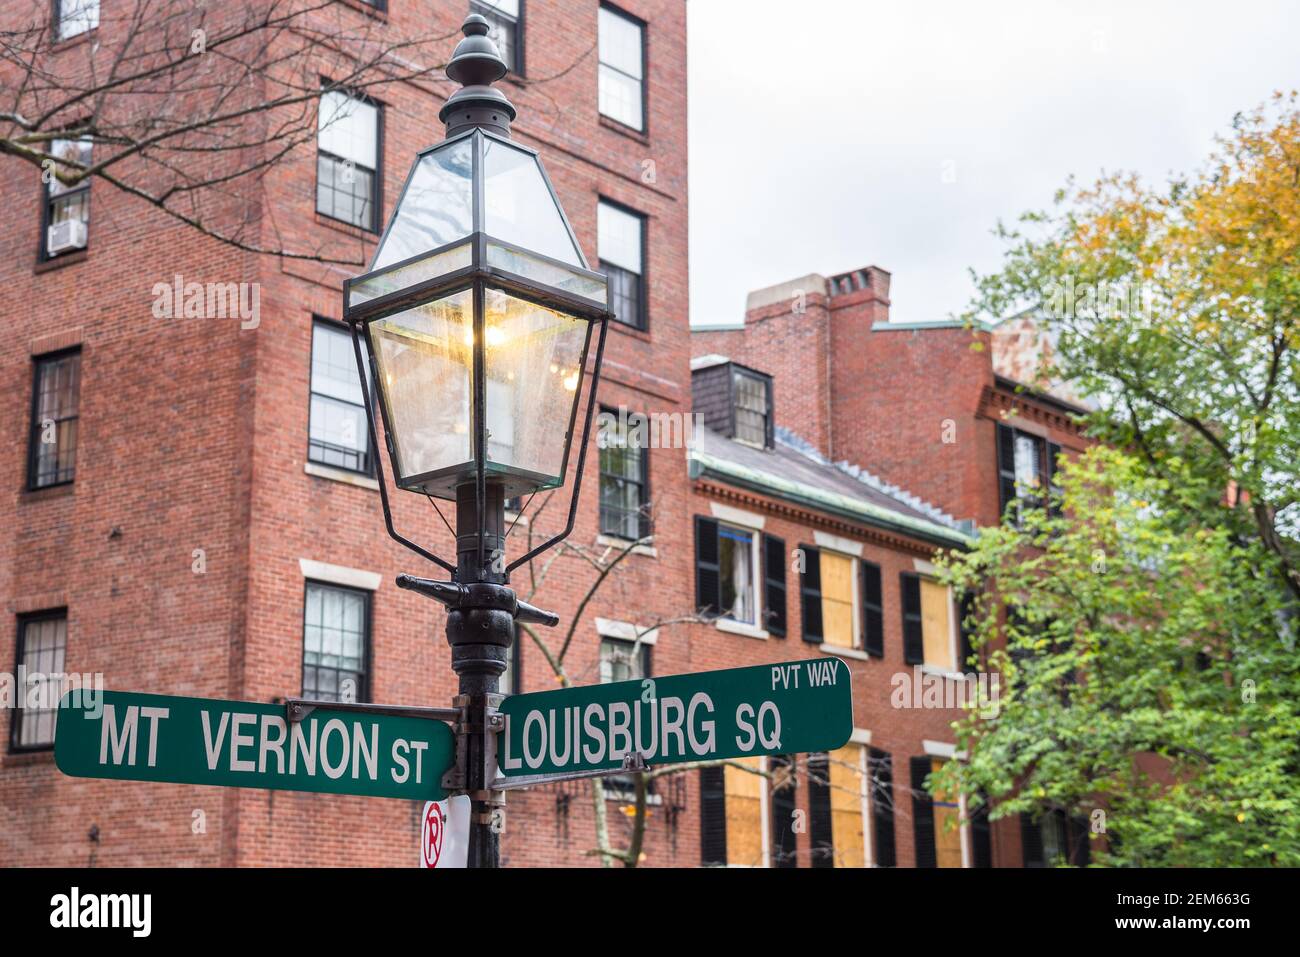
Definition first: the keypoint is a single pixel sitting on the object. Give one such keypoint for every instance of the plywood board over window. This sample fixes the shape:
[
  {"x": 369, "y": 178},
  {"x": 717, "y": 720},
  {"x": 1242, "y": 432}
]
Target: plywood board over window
[
  {"x": 947, "y": 835},
  {"x": 744, "y": 814},
  {"x": 837, "y": 599},
  {"x": 846, "y": 767},
  {"x": 936, "y": 618}
]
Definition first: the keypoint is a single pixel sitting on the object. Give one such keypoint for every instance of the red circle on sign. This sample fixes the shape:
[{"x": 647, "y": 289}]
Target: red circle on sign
[{"x": 431, "y": 835}]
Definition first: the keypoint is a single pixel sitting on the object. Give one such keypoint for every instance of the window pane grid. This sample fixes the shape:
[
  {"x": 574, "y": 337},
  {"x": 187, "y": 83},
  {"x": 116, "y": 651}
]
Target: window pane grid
[
  {"x": 345, "y": 191},
  {"x": 338, "y": 431},
  {"x": 751, "y": 409},
  {"x": 624, "y": 294},
  {"x": 68, "y": 203},
  {"x": 54, "y": 426},
  {"x": 622, "y": 487},
  {"x": 43, "y": 643},
  {"x": 334, "y": 643},
  {"x": 621, "y": 68}
]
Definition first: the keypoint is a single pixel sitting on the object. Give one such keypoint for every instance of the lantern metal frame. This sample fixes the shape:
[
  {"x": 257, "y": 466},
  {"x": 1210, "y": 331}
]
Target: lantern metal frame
[{"x": 478, "y": 276}]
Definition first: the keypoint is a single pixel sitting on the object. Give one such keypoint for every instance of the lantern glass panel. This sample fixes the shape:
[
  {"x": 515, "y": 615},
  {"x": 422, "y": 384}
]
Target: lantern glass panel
[
  {"x": 519, "y": 206},
  {"x": 437, "y": 206},
  {"x": 424, "y": 358},
  {"x": 533, "y": 366},
  {"x": 429, "y": 267},
  {"x": 548, "y": 273}
]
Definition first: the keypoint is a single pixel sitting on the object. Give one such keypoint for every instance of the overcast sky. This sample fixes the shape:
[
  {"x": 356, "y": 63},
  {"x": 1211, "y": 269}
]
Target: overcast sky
[{"x": 831, "y": 134}]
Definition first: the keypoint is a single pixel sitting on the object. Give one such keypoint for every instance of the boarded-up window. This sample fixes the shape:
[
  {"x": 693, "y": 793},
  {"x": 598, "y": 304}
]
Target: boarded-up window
[
  {"x": 744, "y": 814},
  {"x": 837, "y": 599},
  {"x": 947, "y": 835},
  {"x": 846, "y": 775},
  {"x": 936, "y": 624}
]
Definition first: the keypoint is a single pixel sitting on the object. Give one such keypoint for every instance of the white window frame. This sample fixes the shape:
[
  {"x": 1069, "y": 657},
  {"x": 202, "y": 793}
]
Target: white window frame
[{"x": 753, "y": 523}]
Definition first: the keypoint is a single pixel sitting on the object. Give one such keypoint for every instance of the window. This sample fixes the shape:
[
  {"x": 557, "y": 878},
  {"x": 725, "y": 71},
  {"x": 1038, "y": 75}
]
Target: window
[
  {"x": 67, "y": 207},
  {"x": 1026, "y": 470},
  {"x": 42, "y": 642},
  {"x": 934, "y": 819},
  {"x": 52, "y": 450},
  {"x": 620, "y": 239},
  {"x": 736, "y": 563},
  {"x": 624, "y": 479},
  {"x": 622, "y": 68},
  {"x": 837, "y": 599},
  {"x": 347, "y": 159},
  {"x": 731, "y": 815},
  {"x": 623, "y": 660},
  {"x": 1054, "y": 840},
  {"x": 506, "y": 18},
  {"x": 337, "y": 431},
  {"x": 75, "y": 17},
  {"x": 335, "y": 641},
  {"x": 753, "y": 421},
  {"x": 836, "y": 785},
  {"x": 927, "y": 622},
  {"x": 829, "y": 598}
]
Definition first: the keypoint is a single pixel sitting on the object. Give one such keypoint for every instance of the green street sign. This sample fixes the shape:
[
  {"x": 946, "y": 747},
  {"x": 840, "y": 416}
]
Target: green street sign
[
  {"x": 783, "y": 708},
  {"x": 152, "y": 737}
]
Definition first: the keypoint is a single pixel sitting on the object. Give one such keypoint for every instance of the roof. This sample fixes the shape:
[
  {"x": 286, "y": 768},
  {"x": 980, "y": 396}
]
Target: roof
[{"x": 795, "y": 472}]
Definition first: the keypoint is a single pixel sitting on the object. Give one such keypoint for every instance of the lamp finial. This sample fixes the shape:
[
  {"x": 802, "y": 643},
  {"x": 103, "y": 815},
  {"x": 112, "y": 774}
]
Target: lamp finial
[{"x": 476, "y": 64}]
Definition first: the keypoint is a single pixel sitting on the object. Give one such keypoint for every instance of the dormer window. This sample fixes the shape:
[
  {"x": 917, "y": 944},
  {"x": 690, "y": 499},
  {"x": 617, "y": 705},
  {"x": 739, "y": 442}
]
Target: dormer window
[
  {"x": 733, "y": 400},
  {"x": 753, "y": 410}
]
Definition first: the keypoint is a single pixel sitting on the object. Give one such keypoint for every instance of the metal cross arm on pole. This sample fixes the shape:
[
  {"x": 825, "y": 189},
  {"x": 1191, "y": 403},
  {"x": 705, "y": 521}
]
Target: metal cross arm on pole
[{"x": 479, "y": 595}]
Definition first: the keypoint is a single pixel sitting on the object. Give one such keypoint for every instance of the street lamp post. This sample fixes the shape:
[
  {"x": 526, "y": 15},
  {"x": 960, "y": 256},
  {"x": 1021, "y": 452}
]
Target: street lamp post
[{"x": 475, "y": 325}]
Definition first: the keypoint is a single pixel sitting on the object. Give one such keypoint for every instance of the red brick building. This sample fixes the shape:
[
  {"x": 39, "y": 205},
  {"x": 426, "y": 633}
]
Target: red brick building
[
  {"x": 203, "y": 520},
  {"x": 910, "y": 414}
]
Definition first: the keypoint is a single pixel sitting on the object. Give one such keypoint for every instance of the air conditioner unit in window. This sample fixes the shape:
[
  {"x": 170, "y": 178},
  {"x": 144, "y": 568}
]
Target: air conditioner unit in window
[{"x": 69, "y": 234}]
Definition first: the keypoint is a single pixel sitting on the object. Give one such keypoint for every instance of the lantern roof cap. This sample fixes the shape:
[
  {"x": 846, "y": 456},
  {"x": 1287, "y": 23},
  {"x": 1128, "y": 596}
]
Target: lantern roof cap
[{"x": 476, "y": 64}]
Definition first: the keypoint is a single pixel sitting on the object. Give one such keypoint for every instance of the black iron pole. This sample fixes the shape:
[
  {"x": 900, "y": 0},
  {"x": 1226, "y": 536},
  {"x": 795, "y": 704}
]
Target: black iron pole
[{"x": 481, "y": 633}]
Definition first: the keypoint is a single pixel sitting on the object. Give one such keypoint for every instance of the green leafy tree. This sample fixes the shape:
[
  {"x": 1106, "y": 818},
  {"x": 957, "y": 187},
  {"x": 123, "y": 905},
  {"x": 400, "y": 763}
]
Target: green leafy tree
[
  {"x": 1145, "y": 630},
  {"x": 1146, "y": 674}
]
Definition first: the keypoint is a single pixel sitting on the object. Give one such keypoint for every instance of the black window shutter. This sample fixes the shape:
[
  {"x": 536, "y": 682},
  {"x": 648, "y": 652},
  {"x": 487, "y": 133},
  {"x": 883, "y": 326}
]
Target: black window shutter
[
  {"x": 873, "y": 613},
  {"x": 923, "y": 814},
  {"x": 1080, "y": 852},
  {"x": 1006, "y": 466},
  {"x": 774, "y": 584},
  {"x": 713, "y": 817},
  {"x": 1054, "y": 504},
  {"x": 882, "y": 808},
  {"x": 784, "y": 784},
  {"x": 1031, "y": 841},
  {"x": 819, "y": 810},
  {"x": 981, "y": 837},
  {"x": 708, "y": 578},
  {"x": 909, "y": 587},
  {"x": 810, "y": 589},
  {"x": 966, "y": 631}
]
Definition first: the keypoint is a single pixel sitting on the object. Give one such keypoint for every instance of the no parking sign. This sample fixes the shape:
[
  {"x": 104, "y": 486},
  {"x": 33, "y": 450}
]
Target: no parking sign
[{"x": 444, "y": 832}]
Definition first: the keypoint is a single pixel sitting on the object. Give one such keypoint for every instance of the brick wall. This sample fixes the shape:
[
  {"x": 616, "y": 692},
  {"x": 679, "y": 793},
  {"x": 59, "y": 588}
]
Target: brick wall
[{"x": 194, "y": 435}]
